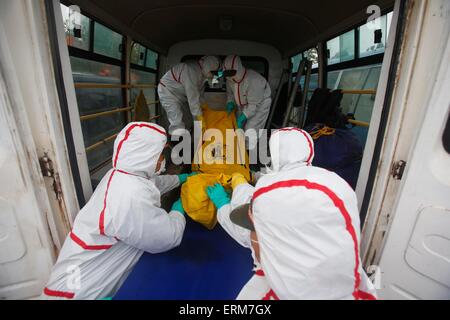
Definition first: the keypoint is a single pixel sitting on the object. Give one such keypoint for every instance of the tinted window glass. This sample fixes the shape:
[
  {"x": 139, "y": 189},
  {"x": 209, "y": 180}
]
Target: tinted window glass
[
  {"x": 138, "y": 54},
  {"x": 367, "y": 45},
  {"x": 107, "y": 42},
  {"x": 77, "y": 28},
  {"x": 295, "y": 60},
  {"x": 152, "y": 59},
  {"x": 342, "y": 48},
  {"x": 141, "y": 77}
]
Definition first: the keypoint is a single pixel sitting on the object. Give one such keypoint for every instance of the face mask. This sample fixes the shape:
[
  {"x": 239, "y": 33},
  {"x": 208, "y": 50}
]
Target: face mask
[{"x": 162, "y": 167}]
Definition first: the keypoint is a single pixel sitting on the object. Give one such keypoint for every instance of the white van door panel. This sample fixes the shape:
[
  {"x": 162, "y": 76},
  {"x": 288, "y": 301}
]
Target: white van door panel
[
  {"x": 26, "y": 252},
  {"x": 414, "y": 260}
]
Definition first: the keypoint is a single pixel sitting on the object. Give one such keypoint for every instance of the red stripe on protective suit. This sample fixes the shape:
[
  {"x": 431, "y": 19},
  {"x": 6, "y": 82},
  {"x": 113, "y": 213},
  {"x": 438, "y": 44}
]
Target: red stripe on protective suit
[
  {"x": 239, "y": 88},
  {"x": 86, "y": 246},
  {"x": 233, "y": 61},
  {"x": 365, "y": 296},
  {"x": 337, "y": 202},
  {"x": 259, "y": 273},
  {"x": 130, "y": 174},
  {"x": 310, "y": 145},
  {"x": 101, "y": 223},
  {"x": 270, "y": 295},
  {"x": 173, "y": 75},
  {"x": 60, "y": 294},
  {"x": 179, "y": 76}
]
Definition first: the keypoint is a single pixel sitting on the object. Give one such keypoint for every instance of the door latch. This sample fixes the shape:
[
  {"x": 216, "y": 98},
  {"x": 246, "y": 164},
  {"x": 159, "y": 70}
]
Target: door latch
[
  {"x": 48, "y": 171},
  {"x": 398, "y": 167}
]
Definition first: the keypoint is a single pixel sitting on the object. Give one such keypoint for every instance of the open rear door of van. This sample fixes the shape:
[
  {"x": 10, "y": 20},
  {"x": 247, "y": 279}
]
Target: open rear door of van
[
  {"x": 38, "y": 195},
  {"x": 410, "y": 246},
  {"x": 26, "y": 252}
]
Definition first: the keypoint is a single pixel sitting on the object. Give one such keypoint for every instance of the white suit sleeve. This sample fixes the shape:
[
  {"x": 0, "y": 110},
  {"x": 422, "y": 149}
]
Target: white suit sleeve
[
  {"x": 148, "y": 227},
  {"x": 191, "y": 81},
  {"x": 241, "y": 195},
  {"x": 165, "y": 183},
  {"x": 255, "y": 97},
  {"x": 230, "y": 94}
]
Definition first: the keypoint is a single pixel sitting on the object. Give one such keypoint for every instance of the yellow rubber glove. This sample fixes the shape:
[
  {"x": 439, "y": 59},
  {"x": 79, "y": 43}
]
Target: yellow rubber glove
[{"x": 237, "y": 179}]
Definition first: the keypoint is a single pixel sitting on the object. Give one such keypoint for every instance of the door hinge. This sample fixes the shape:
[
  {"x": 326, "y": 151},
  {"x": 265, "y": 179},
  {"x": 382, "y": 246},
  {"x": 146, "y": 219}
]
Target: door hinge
[
  {"x": 398, "y": 167},
  {"x": 49, "y": 171}
]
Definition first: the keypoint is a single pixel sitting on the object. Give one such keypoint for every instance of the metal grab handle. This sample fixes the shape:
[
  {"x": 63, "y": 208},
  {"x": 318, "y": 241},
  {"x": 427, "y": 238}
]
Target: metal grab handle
[{"x": 290, "y": 104}]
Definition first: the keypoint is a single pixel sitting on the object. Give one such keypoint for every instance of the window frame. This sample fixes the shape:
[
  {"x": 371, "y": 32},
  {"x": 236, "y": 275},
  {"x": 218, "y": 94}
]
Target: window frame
[
  {"x": 144, "y": 68},
  {"x": 189, "y": 57},
  {"x": 357, "y": 61},
  {"x": 93, "y": 56},
  {"x": 90, "y": 55}
]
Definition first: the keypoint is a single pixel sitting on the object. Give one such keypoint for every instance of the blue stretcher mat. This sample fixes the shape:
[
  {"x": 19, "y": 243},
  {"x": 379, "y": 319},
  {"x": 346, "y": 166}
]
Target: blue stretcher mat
[{"x": 207, "y": 265}]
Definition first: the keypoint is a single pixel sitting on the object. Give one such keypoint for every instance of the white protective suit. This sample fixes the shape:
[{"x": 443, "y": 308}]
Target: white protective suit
[
  {"x": 122, "y": 219},
  {"x": 307, "y": 222},
  {"x": 183, "y": 85},
  {"x": 257, "y": 287},
  {"x": 250, "y": 91}
]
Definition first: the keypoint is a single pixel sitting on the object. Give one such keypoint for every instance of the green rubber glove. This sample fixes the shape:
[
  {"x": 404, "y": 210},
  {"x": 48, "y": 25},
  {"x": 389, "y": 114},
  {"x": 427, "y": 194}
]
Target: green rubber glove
[
  {"x": 218, "y": 195},
  {"x": 183, "y": 177},
  {"x": 241, "y": 120},
  {"x": 230, "y": 107},
  {"x": 178, "y": 207}
]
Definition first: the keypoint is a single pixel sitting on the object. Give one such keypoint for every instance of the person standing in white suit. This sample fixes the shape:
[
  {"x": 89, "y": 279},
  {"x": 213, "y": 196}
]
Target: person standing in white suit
[
  {"x": 122, "y": 219},
  {"x": 249, "y": 94},
  {"x": 183, "y": 85},
  {"x": 302, "y": 223}
]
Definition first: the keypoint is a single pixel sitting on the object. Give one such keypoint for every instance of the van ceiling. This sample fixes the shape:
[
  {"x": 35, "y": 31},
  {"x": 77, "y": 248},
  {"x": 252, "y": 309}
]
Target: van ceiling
[{"x": 288, "y": 25}]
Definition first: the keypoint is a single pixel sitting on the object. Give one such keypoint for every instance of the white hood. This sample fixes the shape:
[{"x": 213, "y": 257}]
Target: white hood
[
  {"x": 233, "y": 62},
  {"x": 290, "y": 145},
  {"x": 137, "y": 148},
  {"x": 208, "y": 64}
]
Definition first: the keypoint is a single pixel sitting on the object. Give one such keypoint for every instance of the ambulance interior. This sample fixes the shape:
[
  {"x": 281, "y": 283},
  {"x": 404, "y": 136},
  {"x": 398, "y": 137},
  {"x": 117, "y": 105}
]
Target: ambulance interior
[{"x": 118, "y": 49}]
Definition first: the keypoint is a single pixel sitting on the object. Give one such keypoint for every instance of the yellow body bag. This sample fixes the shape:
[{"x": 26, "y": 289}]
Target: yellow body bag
[{"x": 216, "y": 158}]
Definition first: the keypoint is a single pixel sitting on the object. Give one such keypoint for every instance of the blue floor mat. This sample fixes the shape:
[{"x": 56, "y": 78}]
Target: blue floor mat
[{"x": 207, "y": 265}]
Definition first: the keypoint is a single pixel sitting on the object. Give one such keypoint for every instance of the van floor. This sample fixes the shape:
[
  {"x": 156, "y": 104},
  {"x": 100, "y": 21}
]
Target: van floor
[{"x": 207, "y": 265}]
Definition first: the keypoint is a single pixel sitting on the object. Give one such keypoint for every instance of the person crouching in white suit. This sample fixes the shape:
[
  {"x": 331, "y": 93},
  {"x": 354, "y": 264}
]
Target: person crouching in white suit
[
  {"x": 301, "y": 223},
  {"x": 122, "y": 219}
]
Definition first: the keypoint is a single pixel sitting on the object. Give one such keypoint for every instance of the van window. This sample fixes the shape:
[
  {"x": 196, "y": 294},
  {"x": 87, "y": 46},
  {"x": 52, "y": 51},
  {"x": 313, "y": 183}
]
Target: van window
[
  {"x": 73, "y": 37},
  {"x": 143, "y": 78},
  {"x": 152, "y": 59},
  {"x": 310, "y": 54},
  {"x": 94, "y": 100},
  {"x": 98, "y": 69},
  {"x": 143, "y": 73},
  {"x": 138, "y": 54},
  {"x": 354, "y": 66},
  {"x": 360, "y": 105},
  {"x": 258, "y": 64},
  {"x": 367, "y": 45},
  {"x": 107, "y": 42},
  {"x": 341, "y": 48}
]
